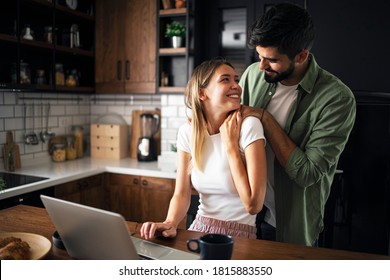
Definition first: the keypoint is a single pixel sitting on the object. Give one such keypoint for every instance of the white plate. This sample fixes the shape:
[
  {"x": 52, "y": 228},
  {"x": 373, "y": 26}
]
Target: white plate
[{"x": 39, "y": 245}]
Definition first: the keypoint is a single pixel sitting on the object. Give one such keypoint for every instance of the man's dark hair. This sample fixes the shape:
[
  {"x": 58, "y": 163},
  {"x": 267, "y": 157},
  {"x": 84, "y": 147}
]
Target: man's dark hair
[{"x": 285, "y": 26}]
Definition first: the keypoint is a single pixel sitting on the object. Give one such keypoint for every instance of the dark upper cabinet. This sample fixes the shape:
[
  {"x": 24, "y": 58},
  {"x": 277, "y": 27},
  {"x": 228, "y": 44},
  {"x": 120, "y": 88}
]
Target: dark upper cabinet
[
  {"x": 224, "y": 26},
  {"x": 35, "y": 35},
  {"x": 352, "y": 41}
]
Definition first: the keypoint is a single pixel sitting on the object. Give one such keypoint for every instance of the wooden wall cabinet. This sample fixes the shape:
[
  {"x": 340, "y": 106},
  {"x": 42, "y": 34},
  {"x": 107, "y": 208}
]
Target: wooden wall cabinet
[
  {"x": 89, "y": 191},
  {"x": 39, "y": 53},
  {"x": 125, "y": 46}
]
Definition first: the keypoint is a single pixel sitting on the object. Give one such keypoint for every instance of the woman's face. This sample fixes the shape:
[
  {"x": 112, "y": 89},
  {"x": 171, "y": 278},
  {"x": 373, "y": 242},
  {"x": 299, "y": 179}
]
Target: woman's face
[{"x": 223, "y": 93}]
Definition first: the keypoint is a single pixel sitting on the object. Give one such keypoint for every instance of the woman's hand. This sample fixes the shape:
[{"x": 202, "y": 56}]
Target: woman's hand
[
  {"x": 150, "y": 230},
  {"x": 230, "y": 129}
]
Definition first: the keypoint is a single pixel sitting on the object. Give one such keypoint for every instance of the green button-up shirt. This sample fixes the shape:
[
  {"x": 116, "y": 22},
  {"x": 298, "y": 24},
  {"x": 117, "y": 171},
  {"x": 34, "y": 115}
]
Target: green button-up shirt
[{"x": 319, "y": 124}]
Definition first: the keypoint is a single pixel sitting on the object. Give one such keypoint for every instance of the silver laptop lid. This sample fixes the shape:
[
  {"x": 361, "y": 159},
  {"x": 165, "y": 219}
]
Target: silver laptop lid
[{"x": 90, "y": 233}]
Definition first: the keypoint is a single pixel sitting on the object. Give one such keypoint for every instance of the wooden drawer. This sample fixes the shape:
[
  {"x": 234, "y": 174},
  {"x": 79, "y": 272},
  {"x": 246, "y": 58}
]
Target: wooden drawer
[
  {"x": 108, "y": 152},
  {"x": 109, "y": 129},
  {"x": 105, "y": 141}
]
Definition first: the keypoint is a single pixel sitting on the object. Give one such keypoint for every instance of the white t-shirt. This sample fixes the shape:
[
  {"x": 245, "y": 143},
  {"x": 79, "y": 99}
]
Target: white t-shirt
[
  {"x": 279, "y": 107},
  {"x": 218, "y": 196}
]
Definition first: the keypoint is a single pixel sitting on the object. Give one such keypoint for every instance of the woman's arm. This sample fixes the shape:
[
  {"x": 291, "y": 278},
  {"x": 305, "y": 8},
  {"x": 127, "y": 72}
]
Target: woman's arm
[
  {"x": 250, "y": 180},
  {"x": 180, "y": 202}
]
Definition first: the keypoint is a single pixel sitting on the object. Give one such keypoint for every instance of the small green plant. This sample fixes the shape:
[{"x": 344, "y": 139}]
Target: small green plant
[{"x": 175, "y": 29}]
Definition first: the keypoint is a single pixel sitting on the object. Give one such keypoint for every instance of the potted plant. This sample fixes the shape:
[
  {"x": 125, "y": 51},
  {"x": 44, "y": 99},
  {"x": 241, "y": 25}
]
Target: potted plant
[{"x": 176, "y": 31}]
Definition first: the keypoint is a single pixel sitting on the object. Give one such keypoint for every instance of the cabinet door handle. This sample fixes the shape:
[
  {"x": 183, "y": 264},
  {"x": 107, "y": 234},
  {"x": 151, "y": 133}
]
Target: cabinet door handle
[
  {"x": 144, "y": 182},
  {"x": 119, "y": 70},
  {"x": 127, "y": 69},
  {"x": 135, "y": 181}
]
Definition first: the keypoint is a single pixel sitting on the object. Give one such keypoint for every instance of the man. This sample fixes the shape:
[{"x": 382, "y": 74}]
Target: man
[{"x": 307, "y": 114}]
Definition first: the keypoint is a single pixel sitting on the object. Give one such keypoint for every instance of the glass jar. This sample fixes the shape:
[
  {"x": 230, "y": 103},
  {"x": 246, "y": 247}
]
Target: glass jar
[
  {"x": 48, "y": 34},
  {"x": 60, "y": 76},
  {"x": 40, "y": 78},
  {"x": 25, "y": 75},
  {"x": 70, "y": 150},
  {"x": 70, "y": 81},
  {"x": 59, "y": 153}
]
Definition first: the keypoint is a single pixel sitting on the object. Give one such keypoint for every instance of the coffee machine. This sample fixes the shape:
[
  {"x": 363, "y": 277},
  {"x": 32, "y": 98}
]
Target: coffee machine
[{"x": 147, "y": 146}]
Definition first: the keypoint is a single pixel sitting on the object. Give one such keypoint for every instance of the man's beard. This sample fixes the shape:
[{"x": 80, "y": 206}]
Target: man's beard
[{"x": 280, "y": 76}]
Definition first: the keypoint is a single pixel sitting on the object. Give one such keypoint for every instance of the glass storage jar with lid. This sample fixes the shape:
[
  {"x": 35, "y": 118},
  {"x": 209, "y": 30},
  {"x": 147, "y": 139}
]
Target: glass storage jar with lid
[
  {"x": 25, "y": 75},
  {"x": 59, "y": 153},
  {"x": 60, "y": 76}
]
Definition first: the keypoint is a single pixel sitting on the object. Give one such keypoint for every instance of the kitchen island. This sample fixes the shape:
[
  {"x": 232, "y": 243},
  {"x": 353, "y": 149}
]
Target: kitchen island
[{"x": 30, "y": 219}]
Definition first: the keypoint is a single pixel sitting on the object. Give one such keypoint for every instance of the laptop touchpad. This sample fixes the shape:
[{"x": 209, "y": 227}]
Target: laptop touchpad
[{"x": 151, "y": 250}]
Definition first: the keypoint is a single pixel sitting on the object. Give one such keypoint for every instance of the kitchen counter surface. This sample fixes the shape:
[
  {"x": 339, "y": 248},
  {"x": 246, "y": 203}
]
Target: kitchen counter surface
[{"x": 67, "y": 171}]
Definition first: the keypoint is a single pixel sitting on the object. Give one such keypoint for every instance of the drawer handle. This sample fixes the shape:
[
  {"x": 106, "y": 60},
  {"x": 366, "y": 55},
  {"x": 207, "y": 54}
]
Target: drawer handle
[
  {"x": 112, "y": 137},
  {"x": 98, "y": 137},
  {"x": 135, "y": 181},
  {"x": 144, "y": 182}
]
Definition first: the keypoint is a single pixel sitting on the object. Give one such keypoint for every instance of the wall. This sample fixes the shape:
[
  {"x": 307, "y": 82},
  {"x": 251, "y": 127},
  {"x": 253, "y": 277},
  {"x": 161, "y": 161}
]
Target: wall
[{"x": 80, "y": 109}]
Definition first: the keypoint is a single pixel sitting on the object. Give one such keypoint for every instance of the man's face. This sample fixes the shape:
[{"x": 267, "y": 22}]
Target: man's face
[{"x": 277, "y": 67}]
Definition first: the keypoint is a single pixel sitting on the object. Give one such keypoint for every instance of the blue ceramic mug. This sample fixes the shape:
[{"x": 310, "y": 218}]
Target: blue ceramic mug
[{"x": 212, "y": 246}]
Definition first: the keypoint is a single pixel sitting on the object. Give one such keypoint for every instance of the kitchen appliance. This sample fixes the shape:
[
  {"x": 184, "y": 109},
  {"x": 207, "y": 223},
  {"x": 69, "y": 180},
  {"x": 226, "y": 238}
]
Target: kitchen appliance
[
  {"x": 13, "y": 180},
  {"x": 147, "y": 145}
]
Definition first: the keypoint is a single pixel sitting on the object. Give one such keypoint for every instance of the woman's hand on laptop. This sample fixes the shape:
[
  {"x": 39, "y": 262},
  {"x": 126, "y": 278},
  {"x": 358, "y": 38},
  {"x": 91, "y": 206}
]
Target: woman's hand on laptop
[{"x": 150, "y": 230}]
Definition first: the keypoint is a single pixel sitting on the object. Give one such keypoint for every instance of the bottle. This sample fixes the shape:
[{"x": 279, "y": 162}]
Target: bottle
[
  {"x": 48, "y": 34},
  {"x": 78, "y": 141}
]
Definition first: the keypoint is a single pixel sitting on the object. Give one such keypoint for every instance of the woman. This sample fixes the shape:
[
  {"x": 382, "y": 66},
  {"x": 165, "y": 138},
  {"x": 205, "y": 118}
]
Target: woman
[{"x": 221, "y": 155}]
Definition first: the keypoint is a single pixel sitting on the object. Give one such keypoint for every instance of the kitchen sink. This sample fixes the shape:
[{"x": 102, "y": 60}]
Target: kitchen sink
[{"x": 13, "y": 180}]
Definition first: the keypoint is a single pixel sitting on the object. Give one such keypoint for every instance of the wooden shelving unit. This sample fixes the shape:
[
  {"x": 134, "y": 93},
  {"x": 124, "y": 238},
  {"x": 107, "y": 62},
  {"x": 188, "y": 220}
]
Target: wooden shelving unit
[
  {"x": 174, "y": 65},
  {"x": 41, "y": 54}
]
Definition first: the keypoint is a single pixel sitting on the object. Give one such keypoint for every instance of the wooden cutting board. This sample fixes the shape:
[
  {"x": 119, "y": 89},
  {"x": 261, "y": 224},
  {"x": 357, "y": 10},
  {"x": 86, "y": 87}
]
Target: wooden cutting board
[
  {"x": 11, "y": 149},
  {"x": 136, "y": 131}
]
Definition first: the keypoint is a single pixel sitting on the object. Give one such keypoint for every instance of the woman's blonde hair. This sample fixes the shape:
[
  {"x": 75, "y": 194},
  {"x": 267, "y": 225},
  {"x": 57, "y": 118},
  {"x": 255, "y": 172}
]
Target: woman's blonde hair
[{"x": 199, "y": 80}]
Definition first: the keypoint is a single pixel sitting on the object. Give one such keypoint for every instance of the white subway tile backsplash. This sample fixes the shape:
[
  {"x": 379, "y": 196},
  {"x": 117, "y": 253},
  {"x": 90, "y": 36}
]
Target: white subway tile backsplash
[
  {"x": 10, "y": 98},
  {"x": 169, "y": 111},
  {"x": 6, "y": 111},
  {"x": 175, "y": 123},
  {"x": 177, "y": 100},
  {"x": 67, "y": 110}
]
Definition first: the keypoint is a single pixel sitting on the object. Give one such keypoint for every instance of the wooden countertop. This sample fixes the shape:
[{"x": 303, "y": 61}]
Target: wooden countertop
[{"x": 30, "y": 219}]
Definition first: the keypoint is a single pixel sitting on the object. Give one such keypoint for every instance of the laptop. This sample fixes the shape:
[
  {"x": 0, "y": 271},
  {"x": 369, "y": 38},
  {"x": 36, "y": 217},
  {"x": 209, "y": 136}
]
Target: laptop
[{"x": 90, "y": 233}]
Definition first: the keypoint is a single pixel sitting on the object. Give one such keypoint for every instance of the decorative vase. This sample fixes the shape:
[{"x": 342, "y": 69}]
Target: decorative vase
[{"x": 177, "y": 41}]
